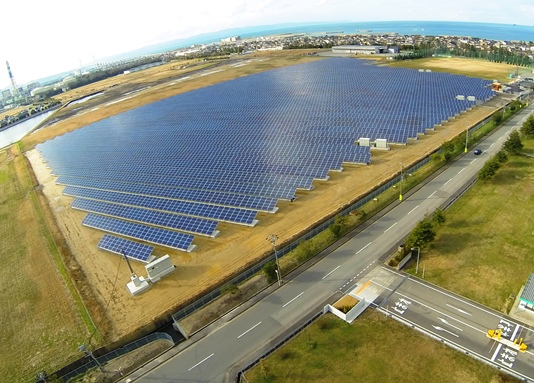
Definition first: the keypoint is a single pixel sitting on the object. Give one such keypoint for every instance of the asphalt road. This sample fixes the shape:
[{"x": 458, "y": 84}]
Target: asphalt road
[
  {"x": 459, "y": 322},
  {"x": 208, "y": 359}
]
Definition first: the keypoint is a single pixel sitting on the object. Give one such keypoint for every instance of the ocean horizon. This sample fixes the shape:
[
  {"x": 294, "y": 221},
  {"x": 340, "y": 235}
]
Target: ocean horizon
[{"x": 491, "y": 31}]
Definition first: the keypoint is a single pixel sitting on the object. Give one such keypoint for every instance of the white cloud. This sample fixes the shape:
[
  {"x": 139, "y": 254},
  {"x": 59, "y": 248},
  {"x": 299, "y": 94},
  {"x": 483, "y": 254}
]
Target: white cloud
[{"x": 42, "y": 38}]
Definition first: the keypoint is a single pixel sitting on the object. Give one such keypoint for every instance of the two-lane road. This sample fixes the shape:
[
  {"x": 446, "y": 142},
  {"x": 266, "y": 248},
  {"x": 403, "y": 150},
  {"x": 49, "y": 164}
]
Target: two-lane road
[{"x": 208, "y": 359}]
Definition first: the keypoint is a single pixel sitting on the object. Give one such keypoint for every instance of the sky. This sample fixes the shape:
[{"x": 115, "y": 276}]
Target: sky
[{"x": 42, "y": 38}]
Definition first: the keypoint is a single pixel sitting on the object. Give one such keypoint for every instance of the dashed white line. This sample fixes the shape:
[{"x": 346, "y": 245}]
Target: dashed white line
[
  {"x": 202, "y": 361},
  {"x": 473, "y": 161},
  {"x": 447, "y": 182},
  {"x": 389, "y": 228},
  {"x": 413, "y": 209},
  {"x": 331, "y": 272},
  {"x": 293, "y": 299},
  {"x": 430, "y": 196},
  {"x": 492, "y": 144},
  {"x": 461, "y": 170},
  {"x": 363, "y": 248},
  {"x": 250, "y": 329}
]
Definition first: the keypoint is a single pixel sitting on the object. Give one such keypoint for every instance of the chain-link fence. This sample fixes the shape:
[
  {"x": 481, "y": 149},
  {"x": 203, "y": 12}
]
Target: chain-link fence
[{"x": 91, "y": 363}]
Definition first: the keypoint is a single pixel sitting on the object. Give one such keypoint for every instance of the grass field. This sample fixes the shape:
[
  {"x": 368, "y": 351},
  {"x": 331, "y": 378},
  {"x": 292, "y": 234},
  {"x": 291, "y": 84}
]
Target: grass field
[
  {"x": 41, "y": 324},
  {"x": 373, "y": 349},
  {"x": 484, "y": 250}
]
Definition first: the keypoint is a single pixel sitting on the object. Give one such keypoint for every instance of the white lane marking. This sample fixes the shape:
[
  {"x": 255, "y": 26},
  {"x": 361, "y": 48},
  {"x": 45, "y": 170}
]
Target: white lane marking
[
  {"x": 202, "y": 361},
  {"x": 458, "y": 309},
  {"x": 447, "y": 182},
  {"x": 447, "y": 331},
  {"x": 250, "y": 329},
  {"x": 430, "y": 196},
  {"x": 492, "y": 144},
  {"x": 500, "y": 138},
  {"x": 390, "y": 227},
  {"x": 413, "y": 209},
  {"x": 448, "y": 324},
  {"x": 473, "y": 161},
  {"x": 363, "y": 248},
  {"x": 499, "y": 346},
  {"x": 331, "y": 272},
  {"x": 293, "y": 299},
  {"x": 515, "y": 332},
  {"x": 461, "y": 170},
  {"x": 458, "y": 299}
]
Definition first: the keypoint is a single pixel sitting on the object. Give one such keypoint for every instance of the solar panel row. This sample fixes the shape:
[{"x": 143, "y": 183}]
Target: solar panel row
[
  {"x": 216, "y": 198},
  {"x": 152, "y": 217},
  {"x": 131, "y": 249},
  {"x": 150, "y": 234},
  {"x": 219, "y": 213}
]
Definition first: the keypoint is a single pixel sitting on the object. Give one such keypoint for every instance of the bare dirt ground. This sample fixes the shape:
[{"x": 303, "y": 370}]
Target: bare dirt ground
[{"x": 216, "y": 259}]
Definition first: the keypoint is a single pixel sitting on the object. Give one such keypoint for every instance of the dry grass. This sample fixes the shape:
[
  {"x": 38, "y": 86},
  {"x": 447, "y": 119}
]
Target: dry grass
[{"x": 41, "y": 327}]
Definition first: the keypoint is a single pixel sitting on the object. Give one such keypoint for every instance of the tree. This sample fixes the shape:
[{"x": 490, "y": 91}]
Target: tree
[
  {"x": 501, "y": 157},
  {"x": 513, "y": 144},
  {"x": 438, "y": 217},
  {"x": 488, "y": 170},
  {"x": 270, "y": 271},
  {"x": 497, "y": 118},
  {"x": 422, "y": 234},
  {"x": 528, "y": 127}
]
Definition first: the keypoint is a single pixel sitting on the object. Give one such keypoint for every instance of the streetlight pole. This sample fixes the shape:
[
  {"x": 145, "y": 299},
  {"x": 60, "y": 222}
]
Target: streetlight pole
[
  {"x": 466, "y": 139},
  {"x": 401, "y": 178},
  {"x": 273, "y": 238},
  {"x": 418, "y": 252}
]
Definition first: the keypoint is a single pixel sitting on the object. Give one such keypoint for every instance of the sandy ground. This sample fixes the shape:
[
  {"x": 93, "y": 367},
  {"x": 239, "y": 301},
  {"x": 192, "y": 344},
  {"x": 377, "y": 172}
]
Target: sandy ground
[{"x": 216, "y": 259}]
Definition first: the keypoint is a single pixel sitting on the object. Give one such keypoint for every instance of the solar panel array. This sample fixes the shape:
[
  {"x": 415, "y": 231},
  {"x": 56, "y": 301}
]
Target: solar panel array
[
  {"x": 231, "y": 150},
  {"x": 131, "y": 249}
]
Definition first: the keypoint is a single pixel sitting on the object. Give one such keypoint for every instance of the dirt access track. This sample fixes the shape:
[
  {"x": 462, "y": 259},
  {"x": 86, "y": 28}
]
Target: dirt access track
[{"x": 215, "y": 259}]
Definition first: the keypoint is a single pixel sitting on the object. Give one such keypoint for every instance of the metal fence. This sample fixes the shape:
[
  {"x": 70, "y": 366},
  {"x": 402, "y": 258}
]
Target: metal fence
[{"x": 115, "y": 354}]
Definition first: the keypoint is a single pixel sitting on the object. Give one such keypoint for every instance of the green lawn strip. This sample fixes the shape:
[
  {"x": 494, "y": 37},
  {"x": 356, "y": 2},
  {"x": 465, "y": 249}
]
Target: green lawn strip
[
  {"x": 484, "y": 249},
  {"x": 373, "y": 349}
]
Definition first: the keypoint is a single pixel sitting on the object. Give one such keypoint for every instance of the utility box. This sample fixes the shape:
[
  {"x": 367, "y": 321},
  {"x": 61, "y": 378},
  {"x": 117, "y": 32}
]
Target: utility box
[
  {"x": 381, "y": 143},
  {"x": 159, "y": 268},
  {"x": 364, "y": 141}
]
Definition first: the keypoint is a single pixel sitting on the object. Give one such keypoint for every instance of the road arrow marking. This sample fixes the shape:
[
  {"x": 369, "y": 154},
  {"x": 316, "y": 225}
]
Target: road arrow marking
[
  {"x": 447, "y": 331},
  {"x": 457, "y": 309},
  {"x": 447, "y": 323}
]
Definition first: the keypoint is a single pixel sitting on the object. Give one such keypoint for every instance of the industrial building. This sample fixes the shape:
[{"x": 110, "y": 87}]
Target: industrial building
[
  {"x": 360, "y": 49},
  {"x": 526, "y": 300}
]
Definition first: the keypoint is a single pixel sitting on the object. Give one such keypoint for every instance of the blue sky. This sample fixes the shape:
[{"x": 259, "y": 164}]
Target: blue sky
[{"x": 41, "y": 38}]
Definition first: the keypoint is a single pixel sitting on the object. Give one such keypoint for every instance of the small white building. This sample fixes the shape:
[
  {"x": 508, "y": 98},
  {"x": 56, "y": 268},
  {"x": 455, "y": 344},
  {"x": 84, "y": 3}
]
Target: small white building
[{"x": 526, "y": 300}]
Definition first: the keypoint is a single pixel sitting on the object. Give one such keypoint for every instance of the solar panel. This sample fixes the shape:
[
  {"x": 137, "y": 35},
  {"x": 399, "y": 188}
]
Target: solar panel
[
  {"x": 145, "y": 233},
  {"x": 166, "y": 220},
  {"x": 133, "y": 250}
]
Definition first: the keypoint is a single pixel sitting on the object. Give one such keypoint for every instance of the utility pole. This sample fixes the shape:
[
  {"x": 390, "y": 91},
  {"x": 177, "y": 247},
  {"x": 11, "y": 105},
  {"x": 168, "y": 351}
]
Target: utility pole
[
  {"x": 401, "y": 178},
  {"x": 272, "y": 238},
  {"x": 83, "y": 348},
  {"x": 466, "y": 139}
]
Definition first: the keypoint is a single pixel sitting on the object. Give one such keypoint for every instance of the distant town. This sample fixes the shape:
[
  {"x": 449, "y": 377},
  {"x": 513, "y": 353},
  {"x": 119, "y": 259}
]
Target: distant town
[{"x": 519, "y": 53}]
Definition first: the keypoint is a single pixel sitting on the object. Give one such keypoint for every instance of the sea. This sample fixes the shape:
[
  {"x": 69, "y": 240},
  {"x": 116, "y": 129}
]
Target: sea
[{"x": 506, "y": 32}]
